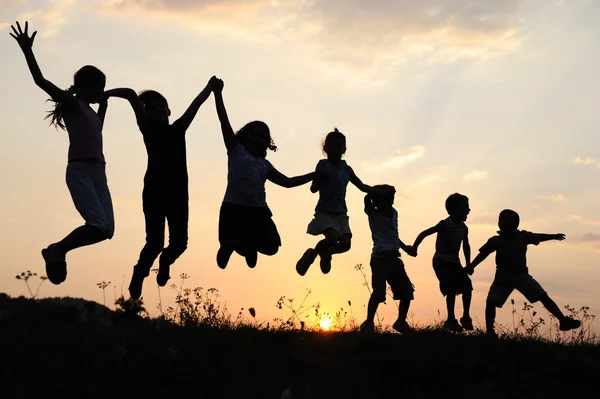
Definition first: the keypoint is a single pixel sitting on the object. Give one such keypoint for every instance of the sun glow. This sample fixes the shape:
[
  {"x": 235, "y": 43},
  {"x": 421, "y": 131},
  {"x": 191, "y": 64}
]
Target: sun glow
[{"x": 325, "y": 324}]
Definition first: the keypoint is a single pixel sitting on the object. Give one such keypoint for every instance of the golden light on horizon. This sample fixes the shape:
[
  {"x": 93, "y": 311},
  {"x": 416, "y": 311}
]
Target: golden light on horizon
[{"x": 325, "y": 323}]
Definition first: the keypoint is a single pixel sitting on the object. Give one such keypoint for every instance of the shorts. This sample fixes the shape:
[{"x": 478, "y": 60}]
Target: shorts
[
  {"x": 86, "y": 180},
  {"x": 248, "y": 227},
  {"x": 452, "y": 277},
  {"x": 329, "y": 220},
  {"x": 390, "y": 269},
  {"x": 503, "y": 286}
]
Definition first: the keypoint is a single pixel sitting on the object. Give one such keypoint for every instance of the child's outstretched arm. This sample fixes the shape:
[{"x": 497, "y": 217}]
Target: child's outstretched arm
[
  {"x": 26, "y": 43},
  {"x": 426, "y": 233},
  {"x": 102, "y": 108},
  {"x": 320, "y": 177},
  {"x": 188, "y": 116},
  {"x": 547, "y": 237},
  {"x": 488, "y": 248},
  {"x": 365, "y": 188},
  {"x": 282, "y": 180},
  {"x": 467, "y": 249},
  {"x": 131, "y": 96},
  {"x": 409, "y": 249},
  {"x": 226, "y": 129}
]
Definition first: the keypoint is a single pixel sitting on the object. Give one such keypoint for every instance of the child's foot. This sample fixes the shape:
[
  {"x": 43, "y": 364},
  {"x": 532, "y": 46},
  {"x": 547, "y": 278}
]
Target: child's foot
[
  {"x": 569, "y": 323},
  {"x": 304, "y": 263},
  {"x": 251, "y": 258},
  {"x": 135, "y": 287},
  {"x": 56, "y": 266},
  {"x": 401, "y": 326},
  {"x": 223, "y": 256},
  {"x": 163, "y": 275},
  {"x": 367, "y": 327},
  {"x": 466, "y": 323},
  {"x": 452, "y": 325},
  {"x": 325, "y": 262}
]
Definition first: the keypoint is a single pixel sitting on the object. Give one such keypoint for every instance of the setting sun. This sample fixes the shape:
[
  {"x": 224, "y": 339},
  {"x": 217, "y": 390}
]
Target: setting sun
[{"x": 325, "y": 324}]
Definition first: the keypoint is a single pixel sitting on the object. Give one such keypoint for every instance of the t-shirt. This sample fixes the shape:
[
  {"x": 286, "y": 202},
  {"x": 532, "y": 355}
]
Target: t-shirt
[
  {"x": 85, "y": 131},
  {"x": 448, "y": 241},
  {"x": 384, "y": 231},
  {"x": 167, "y": 160},
  {"x": 246, "y": 177},
  {"x": 511, "y": 249},
  {"x": 332, "y": 195}
]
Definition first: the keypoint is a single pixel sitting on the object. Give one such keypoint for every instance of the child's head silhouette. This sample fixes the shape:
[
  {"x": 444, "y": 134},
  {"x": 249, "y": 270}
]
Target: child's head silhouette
[
  {"x": 156, "y": 106},
  {"x": 256, "y": 137},
  {"x": 88, "y": 86},
  {"x": 457, "y": 205},
  {"x": 508, "y": 221},
  {"x": 334, "y": 145},
  {"x": 384, "y": 200}
]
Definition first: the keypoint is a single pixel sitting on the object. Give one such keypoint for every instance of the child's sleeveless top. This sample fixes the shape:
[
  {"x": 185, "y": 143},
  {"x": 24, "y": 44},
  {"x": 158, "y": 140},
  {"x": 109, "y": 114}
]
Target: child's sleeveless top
[
  {"x": 246, "y": 176},
  {"x": 332, "y": 195},
  {"x": 85, "y": 131}
]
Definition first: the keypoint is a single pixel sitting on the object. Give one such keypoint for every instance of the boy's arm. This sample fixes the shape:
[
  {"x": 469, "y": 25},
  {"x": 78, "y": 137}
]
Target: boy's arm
[
  {"x": 320, "y": 177},
  {"x": 488, "y": 248},
  {"x": 226, "y": 129},
  {"x": 365, "y": 188},
  {"x": 425, "y": 233},
  {"x": 409, "y": 249},
  {"x": 540, "y": 237},
  {"x": 102, "y": 107},
  {"x": 136, "y": 104},
  {"x": 186, "y": 119},
  {"x": 282, "y": 180},
  {"x": 467, "y": 248},
  {"x": 26, "y": 44}
]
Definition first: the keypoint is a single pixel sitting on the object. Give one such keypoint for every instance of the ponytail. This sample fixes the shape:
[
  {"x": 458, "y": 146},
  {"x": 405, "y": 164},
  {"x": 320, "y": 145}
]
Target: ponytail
[{"x": 56, "y": 115}]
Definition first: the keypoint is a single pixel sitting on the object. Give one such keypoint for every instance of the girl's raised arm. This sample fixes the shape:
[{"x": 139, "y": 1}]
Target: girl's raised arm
[
  {"x": 282, "y": 180},
  {"x": 226, "y": 129},
  {"x": 26, "y": 43},
  {"x": 188, "y": 116}
]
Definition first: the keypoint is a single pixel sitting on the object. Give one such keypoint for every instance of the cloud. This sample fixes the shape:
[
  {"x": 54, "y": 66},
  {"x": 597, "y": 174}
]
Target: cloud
[
  {"x": 397, "y": 160},
  {"x": 489, "y": 220},
  {"x": 589, "y": 237},
  {"x": 428, "y": 179},
  {"x": 554, "y": 198},
  {"x": 584, "y": 161},
  {"x": 47, "y": 19},
  {"x": 369, "y": 35},
  {"x": 475, "y": 175}
]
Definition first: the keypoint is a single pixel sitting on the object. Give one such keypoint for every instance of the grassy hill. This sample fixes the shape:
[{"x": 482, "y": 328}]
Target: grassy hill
[{"x": 64, "y": 348}]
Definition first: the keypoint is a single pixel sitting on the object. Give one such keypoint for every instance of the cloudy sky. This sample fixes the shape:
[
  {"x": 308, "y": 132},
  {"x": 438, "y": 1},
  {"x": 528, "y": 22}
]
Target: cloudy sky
[{"x": 493, "y": 99}]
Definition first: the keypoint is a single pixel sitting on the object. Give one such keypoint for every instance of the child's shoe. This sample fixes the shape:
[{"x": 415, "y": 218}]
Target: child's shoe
[
  {"x": 466, "y": 323},
  {"x": 569, "y": 323},
  {"x": 163, "y": 275},
  {"x": 402, "y": 327},
  {"x": 367, "y": 327},
  {"x": 135, "y": 287},
  {"x": 56, "y": 269},
  {"x": 325, "y": 262},
  {"x": 223, "y": 256},
  {"x": 452, "y": 325},
  {"x": 304, "y": 263},
  {"x": 251, "y": 258}
]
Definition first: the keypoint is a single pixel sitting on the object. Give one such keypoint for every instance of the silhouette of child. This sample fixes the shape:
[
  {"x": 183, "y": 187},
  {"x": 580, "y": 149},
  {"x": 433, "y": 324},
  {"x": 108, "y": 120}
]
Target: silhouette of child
[
  {"x": 245, "y": 221},
  {"x": 331, "y": 217},
  {"x": 165, "y": 195},
  {"x": 451, "y": 233},
  {"x": 86, "y": 168},
  {"x": 512, "y": 273},
  {"x": 386, "y": 264}
]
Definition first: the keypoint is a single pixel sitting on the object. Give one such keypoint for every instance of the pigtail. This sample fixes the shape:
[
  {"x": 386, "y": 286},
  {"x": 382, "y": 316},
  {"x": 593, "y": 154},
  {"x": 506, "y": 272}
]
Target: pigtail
[{"x": 56, "y": 115}]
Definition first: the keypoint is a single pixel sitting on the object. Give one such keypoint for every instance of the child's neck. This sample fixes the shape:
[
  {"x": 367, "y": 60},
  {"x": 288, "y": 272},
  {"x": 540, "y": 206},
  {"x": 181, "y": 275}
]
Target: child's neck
[
  {"x": 334, "y": 161},
  {"x": 456, "y": 219}
]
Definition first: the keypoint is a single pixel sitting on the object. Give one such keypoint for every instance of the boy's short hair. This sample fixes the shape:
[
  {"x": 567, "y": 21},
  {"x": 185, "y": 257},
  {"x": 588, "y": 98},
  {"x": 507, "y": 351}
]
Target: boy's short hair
[
  {"x": 510, "y": 214},
  {"x": 148, "y": 96},
  {"x": 384, "y": 199},
  {"x": 454, "y": 202}
]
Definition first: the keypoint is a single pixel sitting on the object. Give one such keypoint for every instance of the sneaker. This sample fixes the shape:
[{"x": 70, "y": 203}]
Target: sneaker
[
  {"x": 367, "y": 327},
  {"x": 304, "y": 263},
  {"x": 163, "y": 276},
  {"x": 135, "y": 287},
  {"x": 402, "y": 327},
  {"x": 325, "y": 262},
  {"x": 466, "y": 323},
  {"x": 569, "y": 323},
  {"x": 452, "y": 325},
  {"x": 251, "y": 259},
  {"x": 223, "y": 256},
  {"x": 56, "y": 270}
]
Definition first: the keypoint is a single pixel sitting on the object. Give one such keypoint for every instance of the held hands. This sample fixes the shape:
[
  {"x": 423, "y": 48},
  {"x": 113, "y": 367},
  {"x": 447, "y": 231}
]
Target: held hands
[
  {"x": 22, "y": 37},
  {"x": 216, "y": 84},
  {"x": 411, "y": 251},
  {"x": 559, "y": 236},
  {"x": 469, "y": 270}
]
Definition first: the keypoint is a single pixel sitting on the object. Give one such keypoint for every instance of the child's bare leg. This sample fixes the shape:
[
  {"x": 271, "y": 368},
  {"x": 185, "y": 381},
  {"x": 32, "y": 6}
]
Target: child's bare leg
[
  {"x": 403, "y": 309},
  {"x": 372, "y": 309},
  {"x": 466, "y": 298},
  {"x": 343, "y": 245},
  {"x": 330, "y": 240},
  {"x": 490, "y": 318},
  {"x": 450, "y": 301}
]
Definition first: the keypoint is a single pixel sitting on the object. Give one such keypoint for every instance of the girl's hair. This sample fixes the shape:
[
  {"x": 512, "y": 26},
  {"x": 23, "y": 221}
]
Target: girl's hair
[
  {"x": 85, "y": 77},
  {"x": 242, "y": 135},
  {"x": 336, "y": 134},
  {"x": 454, "y": 203},
  {"x": 148, "y": 96}
]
